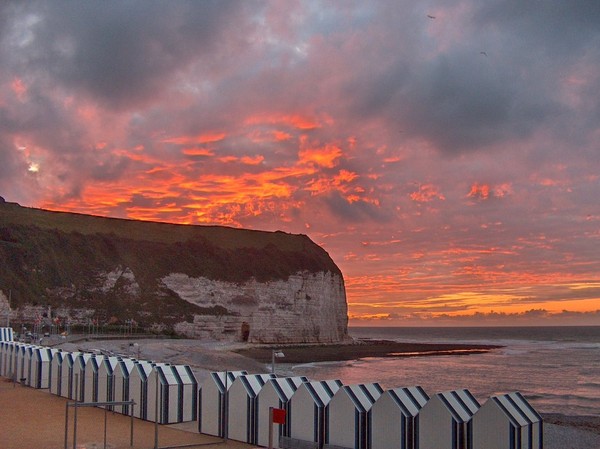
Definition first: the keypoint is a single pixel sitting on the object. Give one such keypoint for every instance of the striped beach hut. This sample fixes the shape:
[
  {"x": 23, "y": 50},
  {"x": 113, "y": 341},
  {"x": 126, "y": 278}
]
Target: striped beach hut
[
  {"x": 80, "y": 363},
  {"x": 445, "y": 422},
  {"x": 6, "y": 334},
  {"x": 39, "y": 367},
  {"x": 243, "y": 406},
  {"x": 349, "y": 417},
  {"x": 141, "y": 391},
  {"x": 309, "y": 407},
  {"x": 71, "y": 376},
  {"x": 56, "y": 367},
  {"x": 507, "y": 421},
  {"x": 90, "y": 386},
  {"x": 3, "y": 351},
  {"x": 168, "y": 393},
  {"x": 275, "y": 393},
  {"x": 121, "y": 379},
  {"x": 395, "y": 418},
  {"x": 21, "y": 367},
  {"x": 106, "y": 374},
  {"x": 212, "y": 402},
  {"x": 188, "y": 393}
]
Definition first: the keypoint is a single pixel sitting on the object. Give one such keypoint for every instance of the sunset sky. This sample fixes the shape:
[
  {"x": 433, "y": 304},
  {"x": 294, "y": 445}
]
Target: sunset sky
[{"x": 445, "y": 153}]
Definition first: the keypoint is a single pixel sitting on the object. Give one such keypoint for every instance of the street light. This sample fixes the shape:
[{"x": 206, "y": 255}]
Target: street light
[{"x": 275, "y": 353}]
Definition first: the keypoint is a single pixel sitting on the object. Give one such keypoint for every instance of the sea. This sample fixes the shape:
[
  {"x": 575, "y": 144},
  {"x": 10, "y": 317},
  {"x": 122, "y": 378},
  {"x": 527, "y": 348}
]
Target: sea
[{"x": 557, "y": 369}]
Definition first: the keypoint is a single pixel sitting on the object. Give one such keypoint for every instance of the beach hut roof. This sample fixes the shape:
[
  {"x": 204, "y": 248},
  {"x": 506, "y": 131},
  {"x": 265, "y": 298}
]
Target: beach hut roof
[
  {"x": 166, "y": 374},
  {"x": 286, "y": 386},
  {"x": 322, "y": 391},
  {"x": 461, "y": 404},
  {"x": 224, "y": 379},
  {"x": 409, "y": 399},
  {"x": 42, "y": 354},
  {"x": 185, "y": 374},
  {"x": 144, "y": 369},
  {"x": 253, "y": 383},
  {"x": 516, "y": 408},
  {"x": 363, "y": 396}
]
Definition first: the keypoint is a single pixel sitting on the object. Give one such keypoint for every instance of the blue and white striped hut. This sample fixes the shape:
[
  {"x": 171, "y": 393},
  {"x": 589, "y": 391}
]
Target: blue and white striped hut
[
  {"x": 213, "y": 400},
  {"x": 90, "y": 375},
  {"x": 187, "y": 409},
  {"x": 168, "y": 385},
  {"x": 122, "y": 375},
  {"x": 275, "y": 393},
  {"x": 507, "y": 421},
  {"x": 80, "y": 363},
  {"x": 39, "y": 367},
  {"x": 141, "y": 391},
  {"x": 106, "y": 374},
  {"x": 349, "y": 418},
  {"x": 309, "y": 407},
  {"x": 395, "y": 418},
  {"x": 445, "y": 422},
  {"x": 6, "y": 334},
  {"x": 243, "y": 406},
  {"x": 59, "y": 360}
]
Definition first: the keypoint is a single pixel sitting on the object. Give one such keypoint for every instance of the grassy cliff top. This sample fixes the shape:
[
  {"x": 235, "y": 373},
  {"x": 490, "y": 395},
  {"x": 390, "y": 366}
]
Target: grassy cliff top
[{"x": 12, "y": 214}]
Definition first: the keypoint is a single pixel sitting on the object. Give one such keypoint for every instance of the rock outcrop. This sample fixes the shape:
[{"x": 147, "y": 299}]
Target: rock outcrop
[{"x": 198, "y": 281}]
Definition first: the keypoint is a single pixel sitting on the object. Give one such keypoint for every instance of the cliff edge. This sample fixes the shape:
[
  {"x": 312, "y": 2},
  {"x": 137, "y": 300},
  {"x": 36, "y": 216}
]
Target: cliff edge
[{"x": 63, "y": 269}]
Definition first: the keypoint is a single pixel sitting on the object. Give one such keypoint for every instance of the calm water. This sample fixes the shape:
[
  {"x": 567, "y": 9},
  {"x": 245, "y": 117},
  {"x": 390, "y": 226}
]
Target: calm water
[{"x": 556, "y": 368}]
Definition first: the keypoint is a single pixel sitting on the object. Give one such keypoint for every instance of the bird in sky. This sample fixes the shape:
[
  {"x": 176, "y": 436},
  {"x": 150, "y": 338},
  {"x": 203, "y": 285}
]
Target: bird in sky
[
  {"x": 430, "y": 16},
  {"x": 483, "y": 53}
]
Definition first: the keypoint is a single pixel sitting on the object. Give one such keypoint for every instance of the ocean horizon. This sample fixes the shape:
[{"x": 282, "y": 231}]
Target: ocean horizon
[{"x": 557, "y": 368}]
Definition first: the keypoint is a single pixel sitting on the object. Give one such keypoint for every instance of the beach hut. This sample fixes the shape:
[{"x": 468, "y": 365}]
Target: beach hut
[
  {"x": 90, "y": 375},
  {"x": 6, "y": 350},
  {"x": 3, "y": 348},
  {"x": 309, "y": 406},
  {"x": 139, "y": 389},
  {"x": 9, "y": 360},
  {"x": 242, "y": 414},
  {"x": 80, "y": 362},
  {"x": 122, "y": 375},
  {"x": 106, "y": 385},
  {"x": 213, "y": 400},
  {"x": 168, "y": 390},
  {"x": 446, "y": 421},
  {"x": 21, "y": 367},
  {"x": 275, "y": 393},
  {"x": 71, "y": 376},
  {"x": 56, "y": 367},
  {"x": 507, "y": 421},
  {"x": 349, "y": 418},
  {"x": 187, "y": 409},
  {"x": 39, "y": 367},
  {"x": 395, "y": 418},
  {"x": 6, "y": 334}
]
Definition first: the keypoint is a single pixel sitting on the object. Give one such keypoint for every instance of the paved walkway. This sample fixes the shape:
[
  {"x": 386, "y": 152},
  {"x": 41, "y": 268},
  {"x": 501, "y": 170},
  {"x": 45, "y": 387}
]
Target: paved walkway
[{"x": 35, "y": 419}]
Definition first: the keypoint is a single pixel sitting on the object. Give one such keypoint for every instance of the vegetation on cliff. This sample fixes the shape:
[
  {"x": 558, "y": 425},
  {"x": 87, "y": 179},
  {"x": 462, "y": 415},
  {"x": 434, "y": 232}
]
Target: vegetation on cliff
[{"x": 62, "y": 259}]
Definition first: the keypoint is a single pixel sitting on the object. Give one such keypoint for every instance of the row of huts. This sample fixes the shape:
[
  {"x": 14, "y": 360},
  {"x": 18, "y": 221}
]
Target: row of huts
[{"x": 319, "y": 414}]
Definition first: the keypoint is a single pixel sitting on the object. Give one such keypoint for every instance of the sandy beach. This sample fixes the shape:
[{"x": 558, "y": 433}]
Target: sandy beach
[{"x": 23, "y": 409}]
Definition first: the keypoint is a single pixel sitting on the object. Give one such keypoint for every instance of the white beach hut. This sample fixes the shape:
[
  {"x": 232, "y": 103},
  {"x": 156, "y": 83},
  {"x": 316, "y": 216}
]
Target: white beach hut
[
  {"x": 106, "y": 384},
  {"x": 275, "y": 393},
  {"x": 71, "y": 376},
  {"x": 446, "y": 421},
  {"x": 395, "y": 418},
  {"x": 122, "y": 375},
  {"x": 308, "y": 409},
  {"x": 6, "y": 334},
  {"x": 139, "y": 390},
  {"x": 22, "y": 367},
  {"x": 80, "y": 362},
  {"x": 187, "y": 409},
  {"x": 9, "y": 360},
  {"x": 243, "y": 406},
  {"x": 507, "y": 421},
  {"x": 39, "y": 367},
  {"x": 27, "y": 364},
  {"x": 56, "y": 367},
  {"x": 90, "y": 375},
  {"x": 349, "y": 418},
  {"x": 212, "y": 402},
  {"x": 168, "y": 393},
  {"x": 3, "y": 349}
]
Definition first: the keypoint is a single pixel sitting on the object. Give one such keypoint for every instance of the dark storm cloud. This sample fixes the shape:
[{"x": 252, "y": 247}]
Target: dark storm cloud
[{"x": 123, "y": 53}]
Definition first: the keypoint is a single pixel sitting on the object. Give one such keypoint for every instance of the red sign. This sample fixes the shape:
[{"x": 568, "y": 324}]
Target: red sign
[{"x": 278, "y": 416}]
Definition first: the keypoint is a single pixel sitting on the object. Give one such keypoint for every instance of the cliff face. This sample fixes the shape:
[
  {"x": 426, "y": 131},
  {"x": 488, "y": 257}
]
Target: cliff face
[{"x": 199, "y": 281}]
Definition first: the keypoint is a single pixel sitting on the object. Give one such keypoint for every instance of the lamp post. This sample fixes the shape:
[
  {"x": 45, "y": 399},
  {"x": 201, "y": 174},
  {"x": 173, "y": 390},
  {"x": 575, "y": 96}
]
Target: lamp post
[{"x": 275, "y": 353}]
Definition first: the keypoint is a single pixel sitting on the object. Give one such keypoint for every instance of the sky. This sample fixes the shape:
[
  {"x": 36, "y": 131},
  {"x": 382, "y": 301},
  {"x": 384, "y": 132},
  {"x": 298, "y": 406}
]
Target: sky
[{"x": 446, "y": 154}]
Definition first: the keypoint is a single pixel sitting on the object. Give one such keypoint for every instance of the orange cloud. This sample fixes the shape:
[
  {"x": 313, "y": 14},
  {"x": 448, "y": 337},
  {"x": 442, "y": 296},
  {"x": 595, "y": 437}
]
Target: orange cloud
[
  {"x": 486, "y": 191},
  {"x": 197, "y": 151},
  {"x": 426, "y": 193},
  {"x": 324, "y": 157},
  {"x": 195, "y": 140},
  {"x": 295, "y": 121}
]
